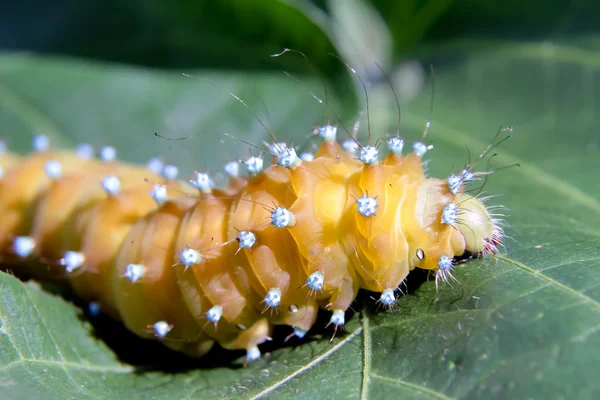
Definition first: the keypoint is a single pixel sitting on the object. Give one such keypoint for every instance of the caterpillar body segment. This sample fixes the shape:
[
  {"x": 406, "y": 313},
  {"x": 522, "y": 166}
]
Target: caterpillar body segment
[
  {"x": 193, "y": 265},
  {"x": 22, "y": 182}
]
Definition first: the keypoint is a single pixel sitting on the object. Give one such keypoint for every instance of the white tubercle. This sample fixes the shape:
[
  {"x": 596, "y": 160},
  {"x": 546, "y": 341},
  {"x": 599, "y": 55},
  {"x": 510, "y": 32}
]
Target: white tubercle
[
  {"x": 41, "y": 143},
  {"x": 273, "y": 298},
  {"x": 350, "y": 146},
  {"x": 368, "y": 154},
  {"x": 232, "y": 169},
  {"x": 445, "y": 263},
  {"x": 282, "y": 217},
  {"x": 108, "y": 153},
  {"x": 23, "y": 246},
  {"x": 455, "y": 183},
  {"x": 289, "y": 159},
  {"x": 189, "y": 257},
  {"x": 328, "y": 132},
  {"x": 306, "y": 156},
  {"x": 246, "y": 239},
  {"x": 53, "y": 169},
  {"x": 450, "y": 214},
  {"x": 111, "y": 185},
  {"x": 367, "y": 206},
  {"x": 159, "y": 193},
  {"x": 299, "y": 332},
  {"x": 161, "y": 329},
  {"x": 85, "y": 151},
  {"x": 315, "y": 281},
  {"x": 170, "y": 172},
  {"x": 277, "y": 149},
  {"x": 395, "y": 145},
  {"x": 421, "y": 148},
  {"x": 254, "y": 165},
  {"x": 133, "y": 272},
  {"x": 155, "y": 165},
  {"x": 338, "y": 318},
  {"x": 203, "y": 182},
  {"x": 214, "y": 314},
  {"x": 72, "y": 260},
  {"x": 387, "y": 297},
  {"x": 252, "y": 353}
]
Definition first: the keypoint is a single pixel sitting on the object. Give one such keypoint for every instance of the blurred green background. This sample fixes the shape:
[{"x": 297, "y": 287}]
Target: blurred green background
[{"x": 240, "y": 34}]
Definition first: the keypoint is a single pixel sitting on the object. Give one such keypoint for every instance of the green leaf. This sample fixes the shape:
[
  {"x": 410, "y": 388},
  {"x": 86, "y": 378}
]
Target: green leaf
[
  {"x": 179, "y": 33},
  {"x": 525, "y": 325},
  {"x": 239, "y": 33}
]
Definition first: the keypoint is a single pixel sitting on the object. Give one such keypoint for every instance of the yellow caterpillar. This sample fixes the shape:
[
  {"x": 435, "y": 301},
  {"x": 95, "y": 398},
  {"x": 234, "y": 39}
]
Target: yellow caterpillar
[{"x": 193, "y": 265}]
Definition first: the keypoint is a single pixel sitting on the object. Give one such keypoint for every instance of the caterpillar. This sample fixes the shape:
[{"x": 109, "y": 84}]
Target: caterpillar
[{"x": 191, "y": 264}]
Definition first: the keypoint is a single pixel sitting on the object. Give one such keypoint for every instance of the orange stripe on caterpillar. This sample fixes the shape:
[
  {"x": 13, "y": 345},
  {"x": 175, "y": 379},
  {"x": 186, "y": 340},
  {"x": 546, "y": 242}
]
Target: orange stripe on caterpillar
[{"x": 194, "y": 266}]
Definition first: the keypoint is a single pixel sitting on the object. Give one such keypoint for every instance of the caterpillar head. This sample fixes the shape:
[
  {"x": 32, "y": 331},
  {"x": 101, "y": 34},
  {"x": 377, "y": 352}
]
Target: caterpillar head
[
  {"x": 480, "y": 230},
  {"x": 449, "y": 226}
]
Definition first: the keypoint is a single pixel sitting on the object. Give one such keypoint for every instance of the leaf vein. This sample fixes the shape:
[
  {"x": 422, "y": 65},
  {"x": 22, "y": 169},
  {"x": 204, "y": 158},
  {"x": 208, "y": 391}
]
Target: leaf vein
[
  {"x": 43, "y": 321},
  {"x": 554, "y": 282},
  {"x": 308, "y": 366},
  {"x": 32, "y": 116},
  {"x": 568, "y": 263},
  {"x": 426, "y": 390},
  {"x": 367, "y": 354},
  {"x": 63, "y": 363}
]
